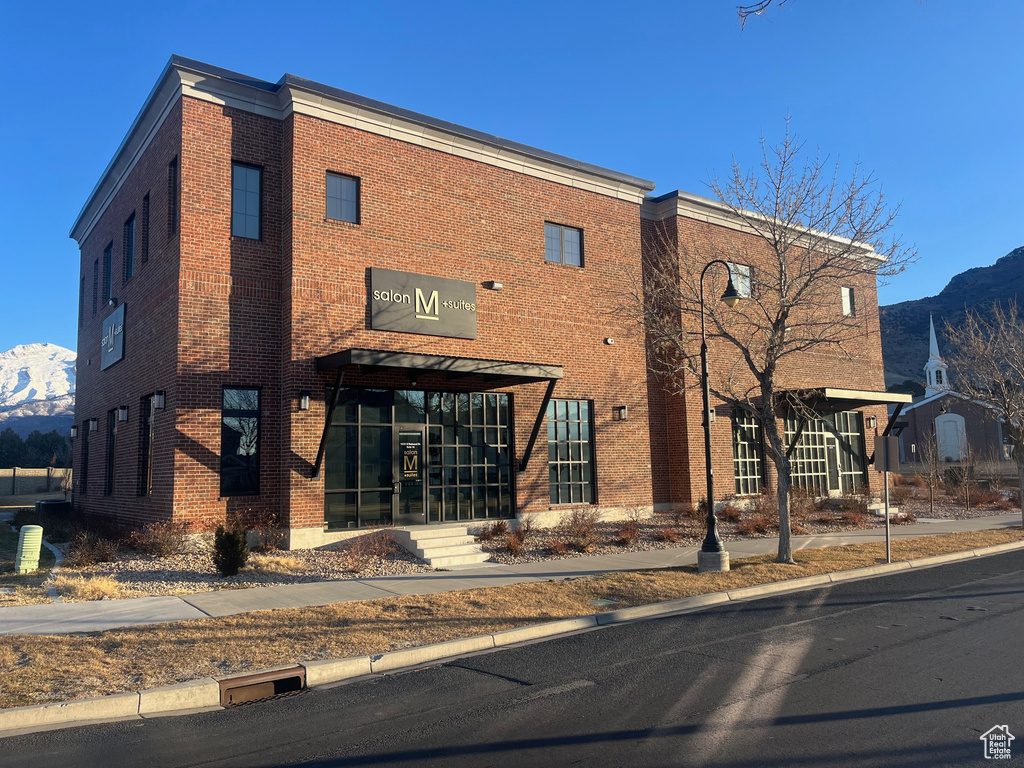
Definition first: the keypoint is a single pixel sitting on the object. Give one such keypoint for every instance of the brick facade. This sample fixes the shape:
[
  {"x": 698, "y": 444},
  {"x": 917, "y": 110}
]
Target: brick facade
[{"x": 208, "y": 310}]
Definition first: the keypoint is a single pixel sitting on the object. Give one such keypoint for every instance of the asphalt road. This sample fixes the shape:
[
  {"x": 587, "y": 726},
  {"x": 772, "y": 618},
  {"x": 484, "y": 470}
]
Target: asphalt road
[{"x": 905, "y": 670}]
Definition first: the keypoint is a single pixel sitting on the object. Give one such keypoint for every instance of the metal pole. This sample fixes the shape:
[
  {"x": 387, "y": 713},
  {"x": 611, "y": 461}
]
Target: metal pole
[
  {"x": 885, "y": 479},
  {"x": 712, "y": 542}
]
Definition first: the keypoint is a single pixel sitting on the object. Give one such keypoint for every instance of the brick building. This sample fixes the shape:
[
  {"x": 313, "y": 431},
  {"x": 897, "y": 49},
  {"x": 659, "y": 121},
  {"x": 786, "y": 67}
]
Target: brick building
[{"x": 299, "y": 301}]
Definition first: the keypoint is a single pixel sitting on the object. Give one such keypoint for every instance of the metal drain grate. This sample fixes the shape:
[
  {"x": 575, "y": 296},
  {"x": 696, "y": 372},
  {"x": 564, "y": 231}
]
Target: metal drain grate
[{"x": 248, "y": 689}]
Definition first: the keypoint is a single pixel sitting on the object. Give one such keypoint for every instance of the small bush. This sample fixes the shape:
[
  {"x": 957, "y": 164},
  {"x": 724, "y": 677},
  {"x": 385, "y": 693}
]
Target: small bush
[
  {"x": 853, "y": 517},
  {"x": 667, "y": 533},
  {"x": 515, "y": 543},
  {"x": 628, "y": 533},
  {"x": 161, "y": 539},
  {"x": 493, "y": 530},
  {"x": 88, "y": 549},
  {"x": 275, "y": 564},
  {"x": 557, "y": 548},
  {"x": 904, "y": 518},
  {"x": 578, "y": 526},
  {"x": 801, "y": 505},
  {"x": 486, "y": 533},
  {"x": 269, "y": 533},
  {"x": 755, "y": 525},
  {"x": 230, "y": 550},
  {"x": 798, "y": 529},
  {"x": 901, "y": 494},
  {"x": 526, "y": 525},
  {"x": 93, "y": 588},
  {"x": 766, "y": 506},
  {"x": 919, "y": 482},
  {"x": 980, "y": 497},
  {"x": 728, "y": 514},
  {"x": 500, "y": 527},
  {"x": 362, "y": 550}
]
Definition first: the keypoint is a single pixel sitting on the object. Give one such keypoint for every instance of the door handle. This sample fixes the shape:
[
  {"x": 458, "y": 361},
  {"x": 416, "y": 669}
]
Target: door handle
[{"x": 396, "y": 487}]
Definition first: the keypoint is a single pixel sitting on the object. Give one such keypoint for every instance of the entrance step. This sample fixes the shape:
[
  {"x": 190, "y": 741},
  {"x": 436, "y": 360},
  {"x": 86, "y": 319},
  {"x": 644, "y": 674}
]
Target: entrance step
[{"x": 440, "y": 547}]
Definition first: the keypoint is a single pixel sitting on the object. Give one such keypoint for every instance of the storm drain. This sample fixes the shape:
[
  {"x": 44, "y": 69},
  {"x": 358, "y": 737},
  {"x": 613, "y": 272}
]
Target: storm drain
[{"x": 260, "y": 686}]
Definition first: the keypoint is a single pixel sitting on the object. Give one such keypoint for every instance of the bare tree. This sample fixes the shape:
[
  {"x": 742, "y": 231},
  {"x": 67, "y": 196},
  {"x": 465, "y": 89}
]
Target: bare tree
[
  {"x": 988, "y": 356},
  {"x": 744, "y": 12},
  {"x": 810, "y": 235},
  {"x": 928, "y": 451}
]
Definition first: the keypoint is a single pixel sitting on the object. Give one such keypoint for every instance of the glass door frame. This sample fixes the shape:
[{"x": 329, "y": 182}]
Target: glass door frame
[{"x": 409, "y": 472}]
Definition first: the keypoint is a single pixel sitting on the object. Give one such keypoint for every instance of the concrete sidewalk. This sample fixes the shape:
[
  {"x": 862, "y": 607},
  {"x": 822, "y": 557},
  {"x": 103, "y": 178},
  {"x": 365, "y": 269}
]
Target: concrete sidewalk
[{"x": 64, "y": 618}]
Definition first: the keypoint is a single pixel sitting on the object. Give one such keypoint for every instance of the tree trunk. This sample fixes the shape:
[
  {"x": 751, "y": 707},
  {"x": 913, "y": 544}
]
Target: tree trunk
[
  {"x": 1018, "y": 457},
  {"x": 782, "y": 484}
]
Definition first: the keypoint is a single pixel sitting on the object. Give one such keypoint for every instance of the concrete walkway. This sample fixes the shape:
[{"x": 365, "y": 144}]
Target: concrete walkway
[{"x": 64, "y": 618}]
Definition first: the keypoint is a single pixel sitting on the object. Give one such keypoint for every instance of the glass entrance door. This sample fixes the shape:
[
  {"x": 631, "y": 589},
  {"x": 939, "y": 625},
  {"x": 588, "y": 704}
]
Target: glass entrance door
[{"x": 409, "y": 471}]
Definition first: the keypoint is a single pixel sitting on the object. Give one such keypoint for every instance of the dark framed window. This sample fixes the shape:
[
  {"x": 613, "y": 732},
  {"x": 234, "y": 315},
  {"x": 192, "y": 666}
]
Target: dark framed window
[
  {"x": 240, "y": 442},
  {"x": 144, "y": 235},
  {"x": 246, "y": 200},
  {"x": 849, "y": 302},
  {"x": 571, "y": 452},
  {"x": 747, "y": 454},
  {"x": 563, "y": 245},
  {"x": 146, "y": 446},
  {"x": 172, "y": 197},
  {"x": 108, "y": 272},
  {"x": 128, "y": 260},
  {"x": 95, "y": 285},
  {"x": 342, "y": 197},
  {"x": 742, "y": 276},
  {"x": 83, "y": 480},
  {"x": 81, "y": 302},
  {"x": 108, "y": 487}
]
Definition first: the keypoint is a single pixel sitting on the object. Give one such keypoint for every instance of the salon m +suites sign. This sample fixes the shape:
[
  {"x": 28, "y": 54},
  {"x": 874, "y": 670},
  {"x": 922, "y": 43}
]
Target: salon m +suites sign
[{"x": 411, "y": 303}]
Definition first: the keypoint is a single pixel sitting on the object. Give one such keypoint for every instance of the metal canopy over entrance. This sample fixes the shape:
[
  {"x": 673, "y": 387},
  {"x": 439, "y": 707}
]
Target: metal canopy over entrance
[{"x": 471, "y": 373}]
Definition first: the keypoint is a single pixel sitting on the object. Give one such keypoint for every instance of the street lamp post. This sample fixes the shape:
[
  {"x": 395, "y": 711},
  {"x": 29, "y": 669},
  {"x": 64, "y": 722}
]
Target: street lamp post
[{"x": 712, "y": 555}]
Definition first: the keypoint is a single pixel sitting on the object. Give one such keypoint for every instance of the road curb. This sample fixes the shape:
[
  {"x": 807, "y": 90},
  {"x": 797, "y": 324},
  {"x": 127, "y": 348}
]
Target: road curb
[{"x": 205, "y": 693}]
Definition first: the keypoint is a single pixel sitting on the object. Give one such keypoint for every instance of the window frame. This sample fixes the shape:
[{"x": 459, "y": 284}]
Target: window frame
[
  {"x": 226, "y": 491},
  {"x": 259, "y": 212},
  {"x": 737, "y": 276},
  {"x": 95, "y": 286},
  {"x": 358, "y": 199},
  {"x": 111, "y": 457},
  {"x": 144, "y": 254},
  {"x": 83, "y": 481},
  {"x": 848, "y": 300},
  {"x": 128, "y": 248},
  {"x": 172, "y": 197},
  {"x": 557, "y": 463},
  {"x": 747, "y": 482},
  {"x": 147, "y": 421},
  {"x": 108, "y": 272},
  {"x": 562, "y": 228}
]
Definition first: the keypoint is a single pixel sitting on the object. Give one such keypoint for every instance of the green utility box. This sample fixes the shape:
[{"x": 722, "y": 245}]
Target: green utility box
[{"x": 29, "y": 541}]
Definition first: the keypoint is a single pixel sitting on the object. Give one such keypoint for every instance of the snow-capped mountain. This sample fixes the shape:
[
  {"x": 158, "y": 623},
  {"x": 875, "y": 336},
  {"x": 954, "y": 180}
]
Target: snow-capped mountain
[{"x": 37, "y": 388}]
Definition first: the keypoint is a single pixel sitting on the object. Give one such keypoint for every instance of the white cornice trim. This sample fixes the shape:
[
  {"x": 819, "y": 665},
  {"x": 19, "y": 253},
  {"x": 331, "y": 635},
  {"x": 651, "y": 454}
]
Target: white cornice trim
[{"x": 690, "y": 206}]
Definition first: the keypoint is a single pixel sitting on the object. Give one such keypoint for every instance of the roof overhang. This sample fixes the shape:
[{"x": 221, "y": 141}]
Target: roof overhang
[
  {"x": 827, "y": 399},
  {"x": 490, "y": 374}
]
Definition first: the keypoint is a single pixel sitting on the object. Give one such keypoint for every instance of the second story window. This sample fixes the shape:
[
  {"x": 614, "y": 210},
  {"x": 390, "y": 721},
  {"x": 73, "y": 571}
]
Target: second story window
[
  {"x": 849, "y": 302},
  {"x": 742, "y": 278},
  {"x": 563, "y": 245},
  {"x": 246, "y": 193},
  {"x": 129, "y": 249},
  {"x": 95, "y": 285},
  {"x": 108, "y": 271},
  {"x": 342, "y": 198}
]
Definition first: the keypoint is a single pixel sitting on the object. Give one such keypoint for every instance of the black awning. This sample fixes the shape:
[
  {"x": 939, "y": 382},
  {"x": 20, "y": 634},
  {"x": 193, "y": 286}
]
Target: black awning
[
  {"x": 830, "y": 399},
  {"x": 491, "y": 373}
]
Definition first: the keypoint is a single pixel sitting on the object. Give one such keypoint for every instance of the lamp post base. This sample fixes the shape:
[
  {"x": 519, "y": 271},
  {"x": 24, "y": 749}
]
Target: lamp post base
[{"x": 712, "y": 561}]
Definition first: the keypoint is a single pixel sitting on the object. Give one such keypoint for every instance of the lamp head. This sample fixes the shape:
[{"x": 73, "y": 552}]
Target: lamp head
[{"x": 731, "y": 297}]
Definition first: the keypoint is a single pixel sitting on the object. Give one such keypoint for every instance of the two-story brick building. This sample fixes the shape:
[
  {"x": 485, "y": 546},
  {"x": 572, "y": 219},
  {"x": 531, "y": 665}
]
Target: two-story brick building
[{"x": 298, "y": 301}]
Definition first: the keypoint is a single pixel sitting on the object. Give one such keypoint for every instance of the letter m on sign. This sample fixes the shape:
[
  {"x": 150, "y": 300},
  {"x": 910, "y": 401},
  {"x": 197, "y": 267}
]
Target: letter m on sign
[
  {"x": 410, "y": 463},
  {"x": 426, "y": 308}
]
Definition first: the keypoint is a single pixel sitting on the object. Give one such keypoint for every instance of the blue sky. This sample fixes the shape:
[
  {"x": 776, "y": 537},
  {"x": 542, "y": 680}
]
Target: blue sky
[{"x": 927, "y": 95}]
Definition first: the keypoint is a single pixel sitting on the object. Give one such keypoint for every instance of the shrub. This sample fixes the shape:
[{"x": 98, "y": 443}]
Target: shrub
[
  {"x": 526, "y": 524},
  {"x": 979, "y": 497},
  {"x": 269, "y": 533},
  {"x": 754, "y": 525},
  {"x": 375, "y": 545},
  {"x": 93, "y": 588},
  {"x": 230, "y": 550},
  {"x": 88, "y": 549},
  {"x": 161, "y": 539},
  {"x": 578, "y": 526},
  {"x": 56, "y": 527},
  {"x": 904, "y": 518},
  {"x": 681, "y": 513},
  {"x": 901, "y": 494},
  {"x": 919, "y": 482},
  {"x": 515, "y": 543},
  {"x": 493, "y": 530},
  {"x": 728, "y": 514},
  {"x": 667, "y": 533},
  {"x": 628, "y": 533},
  {"x": 275, "y": 564},
  {"x": 766, "y": 506},
  {"x": 556, "y": 548},
  {"x": 801, "y": 505},
  {"x": 853, "y": 517},
  {"x": 486, "y": 533},
  {"x": 500, "y": 527}
]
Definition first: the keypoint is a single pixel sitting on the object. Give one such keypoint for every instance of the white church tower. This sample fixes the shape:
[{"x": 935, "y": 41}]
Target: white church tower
[{"x": 935, "y": 371}]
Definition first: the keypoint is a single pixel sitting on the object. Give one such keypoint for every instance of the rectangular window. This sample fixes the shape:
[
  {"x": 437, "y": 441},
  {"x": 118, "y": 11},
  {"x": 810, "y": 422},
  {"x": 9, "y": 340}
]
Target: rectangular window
[
  {"x": 246, "y": 195},
  {"x": 108, "y": 487},
  {"x": 108, "y": 272},
  {"x": 240, "y": 442},
  {"x": 172, "y": 197},
  {"x": 742, "y": 276},
  {"x": 571, "y": 452},
  {"x": 342, "y": 198},
  {"x": 144, "y": 252},
  {"x": 146, "y": 447},
  {"x": 83, "y": 480},
  {"x": 849, "y": 302},
  {"x": 563, "y": 245},
  {"x": 128, "y": 261},
  {"x": 95, "y": 285},
  {"x": 81, "y": 302},
  {"x": 747, "y": 454}
]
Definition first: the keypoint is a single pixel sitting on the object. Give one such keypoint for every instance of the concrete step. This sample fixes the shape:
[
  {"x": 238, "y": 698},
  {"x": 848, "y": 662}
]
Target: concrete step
[
  {"x": 424, "y": 532},
  {"x": 447, "y": 541},
  {"x": 463, "y": 548},
  {"x": 445, "y": 562}
]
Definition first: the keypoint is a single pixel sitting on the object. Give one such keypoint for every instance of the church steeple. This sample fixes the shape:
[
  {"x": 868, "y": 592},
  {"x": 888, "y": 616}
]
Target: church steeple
[{"x": 935, "y": 371}]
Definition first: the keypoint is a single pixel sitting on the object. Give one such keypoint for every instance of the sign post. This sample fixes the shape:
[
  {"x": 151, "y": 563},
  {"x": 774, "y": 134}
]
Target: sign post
[{"x": 887, "y": 459}]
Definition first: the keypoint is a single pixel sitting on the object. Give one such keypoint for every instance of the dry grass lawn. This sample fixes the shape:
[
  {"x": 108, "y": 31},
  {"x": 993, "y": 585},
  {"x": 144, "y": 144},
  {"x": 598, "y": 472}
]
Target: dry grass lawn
[
  {"x": 40, "y": 669},
  {"x": 77, "y": 588}
]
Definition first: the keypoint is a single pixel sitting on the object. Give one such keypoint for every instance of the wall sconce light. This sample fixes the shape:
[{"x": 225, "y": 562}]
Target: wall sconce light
[
  {"x": 159, "y": 400},
  {"x": 871, "y": 422},
  {"x": 122, "y": 413},
  {"x": 304, "y": 400},
  {"x": 622, "y": 412},
  {"x": 493, "y": 285},
  {"x": 112, "y": 302},
  {"x": 93, "y": 425},
  {"x": 609, "y": 341},
  {"x": 74, "y": 431}
]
